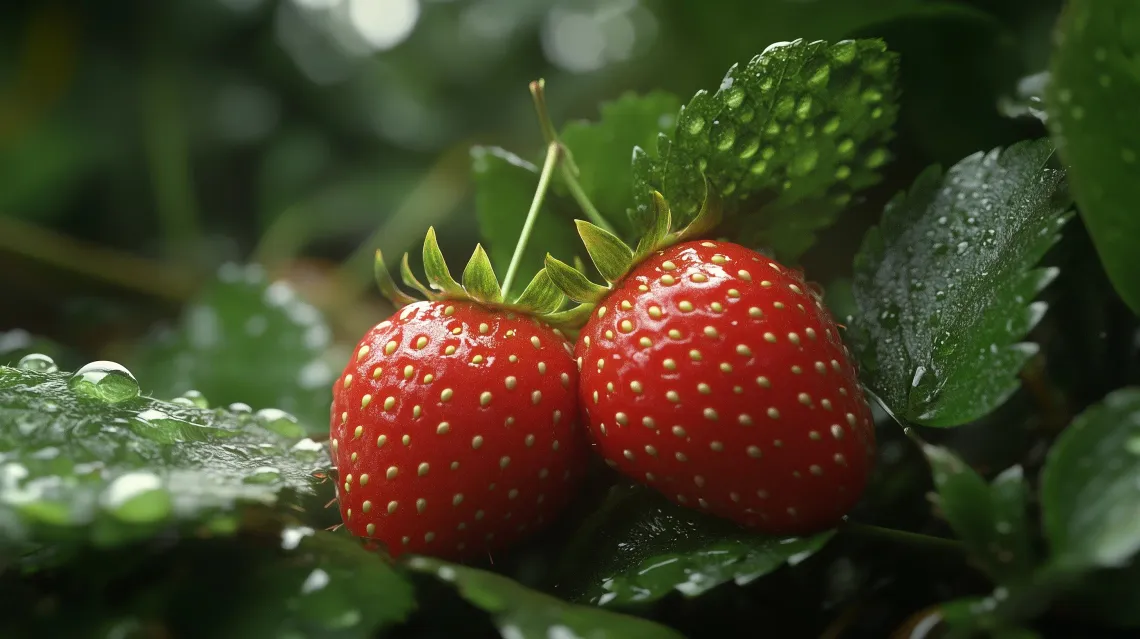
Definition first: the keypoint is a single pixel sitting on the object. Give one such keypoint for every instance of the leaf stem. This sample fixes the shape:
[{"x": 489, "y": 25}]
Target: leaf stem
[
  {"x": 553, "y": 154},
  {"x": 903, "y": 537},
  {"x": 569, "y": 167}
]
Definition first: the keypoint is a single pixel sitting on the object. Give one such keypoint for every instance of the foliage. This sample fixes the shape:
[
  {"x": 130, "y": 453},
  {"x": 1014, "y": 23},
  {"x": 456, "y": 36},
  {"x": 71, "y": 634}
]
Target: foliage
[{"x": 193, "y": 203}]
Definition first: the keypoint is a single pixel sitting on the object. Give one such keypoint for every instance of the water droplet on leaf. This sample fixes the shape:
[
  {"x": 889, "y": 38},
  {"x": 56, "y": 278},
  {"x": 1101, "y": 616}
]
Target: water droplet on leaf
[
  {"x": 263, "y": 475},
  {"x": 37, "y": 362},
  {"x": 280, "y": 422},
  {"x": 107, "y": 381},
  {"x": 137, "y": 497}
]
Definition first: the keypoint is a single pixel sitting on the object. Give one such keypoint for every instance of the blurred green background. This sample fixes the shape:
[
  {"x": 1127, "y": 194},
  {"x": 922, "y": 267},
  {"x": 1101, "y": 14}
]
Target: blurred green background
[{"x": 144, "y": 144}]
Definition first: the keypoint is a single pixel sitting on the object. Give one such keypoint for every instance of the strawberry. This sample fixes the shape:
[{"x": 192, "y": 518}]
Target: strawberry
[
  {"x": 453, "y": 424},
  {"x": 715, "y": 375}
]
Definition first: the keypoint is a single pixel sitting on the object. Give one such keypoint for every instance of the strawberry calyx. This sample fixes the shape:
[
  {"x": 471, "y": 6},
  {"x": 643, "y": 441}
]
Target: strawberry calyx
[
  {"x": 614, "y": 259},
  {"x": 541, "y": 298}
]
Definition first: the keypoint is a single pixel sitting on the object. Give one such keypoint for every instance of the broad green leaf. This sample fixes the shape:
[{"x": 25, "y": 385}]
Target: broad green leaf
[
  {"x": 296, "y": 583},
  {"x": 602, "y": 149},
  {"x": 640, "y": 547},
  {"x": 944, "y": 286},
  {"x": 86, "y": 459},
  {"x": 990, "y": 520},
  {"x": 504, "y": 187},
  {"x": 786, "y": 140},
  {"x": 1091, "y": 102},
  {"x": 244, "y": 339},
  {"x": 1090, "y": 485},
  {"x": 521, "y": 613}
]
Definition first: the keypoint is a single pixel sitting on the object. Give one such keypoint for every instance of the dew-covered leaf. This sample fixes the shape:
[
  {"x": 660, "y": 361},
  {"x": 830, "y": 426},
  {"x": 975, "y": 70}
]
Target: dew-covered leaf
[
  {"x": 640, "y": 547},
  {"x": 1090, "y": 485},
  {"x": 244, "y": 339},
  {"x": 85, "y": 459},
  {"x": 945, "y": 285},
  {"x": 299, "y": 583},
  {"x": 786, "y": 141},
  {"x": 990, "y": 520},
  {"x": 1091, "y": 102},
  {"x": 521, "y": 613},
  {"x": 504, "y": 188},
  {"x": 602, "y": 149}
]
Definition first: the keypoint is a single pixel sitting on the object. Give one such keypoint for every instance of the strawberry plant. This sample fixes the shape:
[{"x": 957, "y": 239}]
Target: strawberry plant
[{"x": 844, "y": 347}]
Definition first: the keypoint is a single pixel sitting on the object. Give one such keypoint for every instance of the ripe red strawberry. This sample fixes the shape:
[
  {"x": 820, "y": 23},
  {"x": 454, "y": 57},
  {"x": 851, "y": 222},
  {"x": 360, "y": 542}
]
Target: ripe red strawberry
[
  {"x": 715, "y": 375},
  {"x": 453, "y": 428}
]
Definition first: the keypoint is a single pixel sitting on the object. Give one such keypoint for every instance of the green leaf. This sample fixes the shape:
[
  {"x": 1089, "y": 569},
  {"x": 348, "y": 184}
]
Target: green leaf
[
  {"x": 504, "y": 188},
  {"x": 602, "y": 149},
  {"x": 541, "y": 296},
  {"x": 479, "y": 278},
  {"x": 573, "y": 283},
  {"x": 944, "y": 284},
  {"x": 786, "y": 140},
  {"x": 294, "y": 583},
  {"x": 990, "y": 520},
  {"x": 640, "y": 547},
  {"x": 409, "y": 278},
  {"x": 1089, "y": 505},
  {"x": 612, "y": 257},
  {"x": 385, "y": 283},
  {"x": 89, "y": 460},
  {"x": 244, "y": 339},
  {"x": 435, "y": 267},
  {"x": 1091, "y": 101},
  {"x": 522, "y": 613},
  {"x": 657, "y": 230}
]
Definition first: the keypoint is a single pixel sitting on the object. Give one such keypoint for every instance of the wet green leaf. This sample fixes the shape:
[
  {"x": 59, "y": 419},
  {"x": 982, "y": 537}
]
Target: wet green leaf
[
  {"x": 945, "y": 285},
  {"x": 602, "y": 149},
  {"x": 991, "y": 520},
  {"x": 299, "y": 583},
  {"x": 1091, "y": 102},
  {"x": 85, "y": 459},
  {"x": 244, "y": 339},
  {"x": 640, "y": 547},
  {"x": 1090, "y": 486},
  {"x": 504, "y": 187},
  {"x": 526, "y": 614},
  {"x": 786, "y": 140}
]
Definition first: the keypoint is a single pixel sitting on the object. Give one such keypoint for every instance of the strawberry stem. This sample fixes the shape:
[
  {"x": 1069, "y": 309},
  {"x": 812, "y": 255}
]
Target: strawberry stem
[
  {"x": 903, "y": 537},
  {"x": 569, "y": 167},
  {"x": 553, "y": 154}
]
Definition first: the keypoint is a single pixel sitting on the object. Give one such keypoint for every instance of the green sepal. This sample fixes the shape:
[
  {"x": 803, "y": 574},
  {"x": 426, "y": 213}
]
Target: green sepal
[
  {"x": 572, "y": 282},
  {"x": 612, "y": 257},
  {"x": 479, "y": 278},
  {"x": 658, "y": 229},
  {"x": 708, "y": 218},
  {"x": 571, "y": 318},
  {"x": 387, "y": 285},
  {"x": 435, "y": 267},
  {"x": 409, "y": 278},
  {"x": 541, "y": 296}
]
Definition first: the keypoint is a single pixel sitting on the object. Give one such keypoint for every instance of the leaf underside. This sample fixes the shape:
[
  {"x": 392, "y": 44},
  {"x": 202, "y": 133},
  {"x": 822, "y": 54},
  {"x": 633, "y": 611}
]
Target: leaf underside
[
  {"x": 944, "y": 286},
  {"x": 786, "y": 140}
]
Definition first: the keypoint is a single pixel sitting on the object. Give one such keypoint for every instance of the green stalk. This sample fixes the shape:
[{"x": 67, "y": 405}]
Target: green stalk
[
  {"x": 553, "y": 154},
  {"x": 569, "y": 167}
]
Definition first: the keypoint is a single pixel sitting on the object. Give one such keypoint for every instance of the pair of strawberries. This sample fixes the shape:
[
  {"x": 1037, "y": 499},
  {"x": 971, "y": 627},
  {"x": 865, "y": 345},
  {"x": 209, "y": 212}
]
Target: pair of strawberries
[{"x": 706, "y": 370}]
